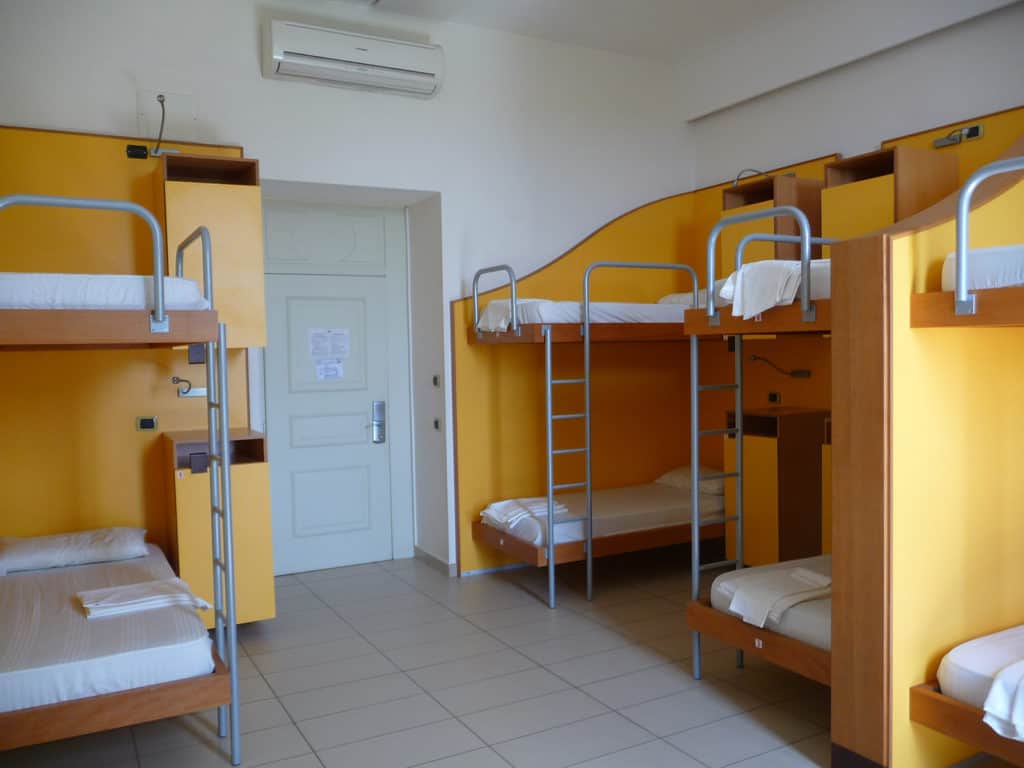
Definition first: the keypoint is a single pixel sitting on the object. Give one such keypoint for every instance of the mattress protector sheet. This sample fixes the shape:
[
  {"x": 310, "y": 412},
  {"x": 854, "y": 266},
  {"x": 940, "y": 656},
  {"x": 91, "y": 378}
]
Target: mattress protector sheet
[
  {"x": 987, "y": 268},
  {"x": 809, "y": 622},
  {"x": 45, "y": 290},
  {"x": 50, "y": 651},
  {"x": 497, "y": 315},
  {"x": 616, "y": 510}
]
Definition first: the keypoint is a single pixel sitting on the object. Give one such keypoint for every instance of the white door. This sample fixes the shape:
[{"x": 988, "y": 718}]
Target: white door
[{"x": 336, "y": 389}]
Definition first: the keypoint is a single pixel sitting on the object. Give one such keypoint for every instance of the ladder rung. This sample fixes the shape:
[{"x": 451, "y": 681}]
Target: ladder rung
[
  {"x": 563, "y": 451},
  {"x": 717, "y": 564},
  {"x": 715, "y": 387},
  {"x": 728, "y": 431},
  {"x": 563, "y": 486},
  {"x": 213, "y": 404},
  {"x": 718, "y": 476},
  {"x": 564, "y": 416},
  {"x": 213, "y": 456},
  {"x": 219, "y": 563},
  {"x": 718, "y": 521},
  {"x": 568, "y": 381}
]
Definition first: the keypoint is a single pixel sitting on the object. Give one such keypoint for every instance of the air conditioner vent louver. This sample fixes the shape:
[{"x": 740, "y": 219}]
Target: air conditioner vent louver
[{"x": 336, "y": 57}]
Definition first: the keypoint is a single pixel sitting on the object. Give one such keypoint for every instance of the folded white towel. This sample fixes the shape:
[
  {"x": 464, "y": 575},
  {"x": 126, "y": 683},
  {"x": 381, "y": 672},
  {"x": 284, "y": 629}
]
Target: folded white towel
[
  {"x": 1004, "y": 705},
  {"x": 769, "y": 594},
  {"x": 133, "y": 598},
  {"x": 761, "y": 285}
]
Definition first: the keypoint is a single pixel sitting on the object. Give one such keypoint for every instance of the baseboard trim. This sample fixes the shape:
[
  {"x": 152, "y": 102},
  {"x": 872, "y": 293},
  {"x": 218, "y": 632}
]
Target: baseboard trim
[
  {"x": 846, "y": 758},
  {"x": 448, "y": 569}
]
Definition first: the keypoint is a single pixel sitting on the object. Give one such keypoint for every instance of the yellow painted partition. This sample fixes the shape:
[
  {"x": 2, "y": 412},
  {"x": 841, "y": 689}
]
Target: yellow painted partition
[
  {"x": 957, "y": 527},
  {"x": 70, "y": 455}
]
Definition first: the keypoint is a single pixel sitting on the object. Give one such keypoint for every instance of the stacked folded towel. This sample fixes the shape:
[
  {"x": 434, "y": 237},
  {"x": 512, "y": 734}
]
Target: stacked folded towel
[
  {"x": 507, "y": 513},
  {"x": 770, "y": 594},
  {"x": 133, "y": 598},
  {"x": 1004, "y": 705}
]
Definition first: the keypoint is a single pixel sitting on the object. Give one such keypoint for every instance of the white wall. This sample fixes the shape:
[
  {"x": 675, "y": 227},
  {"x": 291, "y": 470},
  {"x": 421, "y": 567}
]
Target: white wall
[
  {"x": 531, "y": 144},
  {"x": 427, "y": 315},
  {"x": 971, "y": 69}
]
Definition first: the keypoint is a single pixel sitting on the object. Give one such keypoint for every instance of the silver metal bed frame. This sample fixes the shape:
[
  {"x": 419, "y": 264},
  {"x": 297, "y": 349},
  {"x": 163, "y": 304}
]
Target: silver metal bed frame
[
  {"x": 586, "y": 415},
  {"x": 696, "y": 433},
  {"x": 225, "y": 635},
  {"x": 966, "y": 303}
]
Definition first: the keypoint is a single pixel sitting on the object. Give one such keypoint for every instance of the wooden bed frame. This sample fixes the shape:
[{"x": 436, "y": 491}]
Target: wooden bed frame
[
  {"x": 64, "y": 719},
  {"x": 82, "y": 328},
  {"x": 573, "y": 551},
  {"x": 960, "y": 721},
  {"x": 794, "y": 655},
  {"x": 785, "y": 319},
  {"x": 997, "y": 307}
]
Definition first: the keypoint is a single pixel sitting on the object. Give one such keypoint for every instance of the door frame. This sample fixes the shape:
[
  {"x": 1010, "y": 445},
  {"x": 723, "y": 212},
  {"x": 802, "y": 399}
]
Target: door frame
[{"x": 400, "y": 444}]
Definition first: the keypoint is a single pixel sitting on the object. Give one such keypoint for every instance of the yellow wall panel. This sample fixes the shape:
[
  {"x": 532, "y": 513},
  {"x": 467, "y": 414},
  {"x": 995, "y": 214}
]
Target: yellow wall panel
[
  {"x": 70, "y": 456},
  {"x": 856, "y": 209},
  {"x": 760, "y": 496}
]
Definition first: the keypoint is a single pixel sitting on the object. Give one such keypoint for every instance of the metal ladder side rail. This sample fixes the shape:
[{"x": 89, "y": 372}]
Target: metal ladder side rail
[
  {"x": 225, "y": 615},
  {"x": 588, "y": 526}
]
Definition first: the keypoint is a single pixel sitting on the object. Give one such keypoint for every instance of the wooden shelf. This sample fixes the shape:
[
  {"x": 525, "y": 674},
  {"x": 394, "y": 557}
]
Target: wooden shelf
[
  {"x": 212, "y": 170},
  {"x": 787, "y": 319},
  {"x": 768, "y": 192},
  {"x": 997, "y": 308},
  {"x": 247, "y": 447},
  {"x": 96, "y": 328},
  {"x": 960, "y": 721},
  {"x": 572, "y": 333}
]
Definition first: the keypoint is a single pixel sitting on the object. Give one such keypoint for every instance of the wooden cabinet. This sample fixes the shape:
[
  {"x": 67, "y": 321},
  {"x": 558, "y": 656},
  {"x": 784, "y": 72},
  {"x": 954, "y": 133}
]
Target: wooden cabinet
[
  {"x": 759, "y": 195},
  {"x": 189, "y": 525},
  {"x": 782, "y": 484},
  {"x": 224, "y": 195},
  {"x": 870, "y": 192}
]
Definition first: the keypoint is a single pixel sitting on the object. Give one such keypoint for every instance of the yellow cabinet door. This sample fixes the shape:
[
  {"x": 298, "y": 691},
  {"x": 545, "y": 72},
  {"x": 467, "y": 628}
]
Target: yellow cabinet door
[
  {"x": 826, "y": 499},
  {"x": 859, "y": 208},
  {"x": 731, "y": 236},
  {"x": 760, "y": 500},
  {"x": 234, "y": 215},
  {"x": 254, "y": 565}
]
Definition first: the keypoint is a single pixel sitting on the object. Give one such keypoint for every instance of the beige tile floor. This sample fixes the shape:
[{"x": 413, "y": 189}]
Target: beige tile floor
[{"x": 394, "y": 665}]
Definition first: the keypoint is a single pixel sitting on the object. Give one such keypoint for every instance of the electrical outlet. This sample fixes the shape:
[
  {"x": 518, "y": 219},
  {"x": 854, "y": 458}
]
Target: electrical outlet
[
  {"x": 775, "y": 398},
  {"x": 971, "y": 132},
  {"x": 146, "y": 423}
]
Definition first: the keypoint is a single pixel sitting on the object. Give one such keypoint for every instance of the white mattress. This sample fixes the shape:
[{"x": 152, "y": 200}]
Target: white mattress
[
  {"x": 618, "y": 510},
  {"x": 987, "y": 268},
  {"x": 497, "y": 315},
  {"x": 50, "y": 652},
  {"x": 966, "y": 672},
  {"x": 30, "y": 290},
  {"x": 809, "y": 622},
  {"x": 761, "y": 285}
]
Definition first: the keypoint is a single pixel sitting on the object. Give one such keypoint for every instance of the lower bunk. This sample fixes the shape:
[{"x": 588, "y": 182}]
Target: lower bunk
[
  {"x": 781, "y": 613},
  {"x": 976, "y": 697},
  {"x": 63, "y": 674}
]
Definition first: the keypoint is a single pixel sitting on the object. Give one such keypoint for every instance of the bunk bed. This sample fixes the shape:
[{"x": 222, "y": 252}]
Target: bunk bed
[
  {"x": 117, "y": 311},
  {"x": 626, "y": 519},
  {"x": 799, "y": 640},
  {"x": 967, "y": 701}
]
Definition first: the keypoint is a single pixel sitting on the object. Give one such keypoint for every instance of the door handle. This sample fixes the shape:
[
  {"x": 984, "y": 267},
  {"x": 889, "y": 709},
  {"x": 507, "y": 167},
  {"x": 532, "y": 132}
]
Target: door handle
[{"x": 378, "y": 421}]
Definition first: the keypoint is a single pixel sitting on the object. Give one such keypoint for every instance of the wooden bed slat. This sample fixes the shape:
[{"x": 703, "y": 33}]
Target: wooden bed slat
[
  {"x": 785, "y": 652},
  {"x": 604, "y": 546},
  {"x": 996, "y": 307},
  {"x": 567, "y": 333},
  {"x": 787, "y": 319},
  {"x": 37, "y": 725},
  {"x": 66, "y": 328},
  {"x": 960, "y": 721}
]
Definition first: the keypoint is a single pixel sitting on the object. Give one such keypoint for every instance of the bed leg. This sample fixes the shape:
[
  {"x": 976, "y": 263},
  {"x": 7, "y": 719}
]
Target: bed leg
[
  {"x": 695, "y": 648},
  {"x": 222, "y": 720},
  {"x": 739, "y": 659}
]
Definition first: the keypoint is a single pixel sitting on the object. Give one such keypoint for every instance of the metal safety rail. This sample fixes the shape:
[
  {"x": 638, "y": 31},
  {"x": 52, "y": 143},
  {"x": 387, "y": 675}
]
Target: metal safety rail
[
  {"x": 513, "y": 300},
  {"x": 225, "y": 634},
  {"x": 736, "y": 431},
  {"x": 966, "y": 303}
]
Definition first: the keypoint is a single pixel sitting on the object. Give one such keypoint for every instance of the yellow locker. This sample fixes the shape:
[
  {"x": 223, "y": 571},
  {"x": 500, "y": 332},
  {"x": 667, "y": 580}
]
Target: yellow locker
[
  {"x": 224, "y": 195},
  {"x": 760, "y": 498},
  {"x": 191, "y": 550}
]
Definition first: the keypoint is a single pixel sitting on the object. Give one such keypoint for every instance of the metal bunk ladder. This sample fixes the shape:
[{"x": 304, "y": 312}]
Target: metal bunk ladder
[{"x": 736, "y": 431}]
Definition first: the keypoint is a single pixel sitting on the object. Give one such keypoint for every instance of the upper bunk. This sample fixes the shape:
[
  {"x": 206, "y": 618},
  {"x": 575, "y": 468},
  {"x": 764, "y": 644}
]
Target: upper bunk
[
  {"x": 978, "y": 286},
  {"x": 59, "y": 311}
]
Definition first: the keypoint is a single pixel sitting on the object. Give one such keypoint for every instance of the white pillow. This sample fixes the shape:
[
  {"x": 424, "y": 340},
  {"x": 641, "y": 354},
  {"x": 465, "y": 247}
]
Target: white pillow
[
  {"x": 686, "y": 299},
  {"x": 680, "y": 478},
  {"x": 98, "y": 546}
]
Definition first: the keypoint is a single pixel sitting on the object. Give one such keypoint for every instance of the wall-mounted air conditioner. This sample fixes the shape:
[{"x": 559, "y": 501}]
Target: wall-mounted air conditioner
[{"x": 337, "y": 57}]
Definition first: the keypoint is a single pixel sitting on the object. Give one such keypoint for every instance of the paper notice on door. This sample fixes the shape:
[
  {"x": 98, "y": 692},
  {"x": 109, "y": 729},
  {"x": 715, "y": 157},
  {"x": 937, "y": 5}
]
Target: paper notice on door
[
  {"x": 330, "y": 370},
  {"x": 330, "y": 343}
]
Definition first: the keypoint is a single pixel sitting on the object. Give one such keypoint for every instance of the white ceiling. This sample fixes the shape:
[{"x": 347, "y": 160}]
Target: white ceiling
[{"x": 657, "y": 29}]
